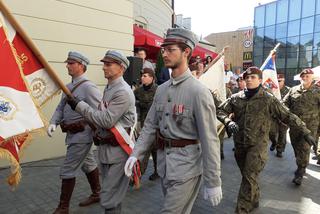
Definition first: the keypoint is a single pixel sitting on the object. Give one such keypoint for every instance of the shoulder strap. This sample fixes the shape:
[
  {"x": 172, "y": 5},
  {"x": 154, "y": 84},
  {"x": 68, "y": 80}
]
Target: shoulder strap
[{"x": 77, "y": 85}]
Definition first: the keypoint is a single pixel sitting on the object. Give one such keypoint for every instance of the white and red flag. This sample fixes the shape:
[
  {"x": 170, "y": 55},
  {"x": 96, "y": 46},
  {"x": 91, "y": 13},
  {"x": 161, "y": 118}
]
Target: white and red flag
[
  {"x": 269, "y": 74},
  {"x": 18, "y": 113},
  {"x": 41, "y": 85}
]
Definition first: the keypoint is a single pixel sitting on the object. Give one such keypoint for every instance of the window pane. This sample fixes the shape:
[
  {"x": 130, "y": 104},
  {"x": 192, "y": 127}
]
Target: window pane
[
  {"x": 269, "y": 43},
  {"x": 259, "y": 16},
  {"x": 294, "y": 9},
  {"x": 293, "y": 44},
  {"x": 318, "y": 7},
  {"x": 281, "y": 31},
  {"x": 305, "y": 59},
  {"x": 308, "y": 8},
  {"x": 271, "y": 14},
  {"x": 317, "y": 24},
  {"x": 280, "y": 62},
  {"x": 289, "y": 76},
  {"x": 270, "y": 32},
  {"x": 282, "y": 11},
  {"x": 258, "y": 52},
  {"x": 306, "y": 42},
  {"x": 259, "y": 32},
  {"x": 294, "y": 28},
  {"x": 316, "y": 41},
  {"x": 283, "y": 43},
  {"x": 292, "y": 59},
  {"x": 257, "y": 61},
  {"x": 316, "y": 58},
  {"x": 307, "y": 25}
]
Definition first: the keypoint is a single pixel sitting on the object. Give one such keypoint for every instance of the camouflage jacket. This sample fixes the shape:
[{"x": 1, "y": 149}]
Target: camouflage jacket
[
  {"x": 144, "y": 99},
  {"x": 284, "y": 91},
  {"x": 254, "y": 116},
  {"x": 306, "y": 104}
]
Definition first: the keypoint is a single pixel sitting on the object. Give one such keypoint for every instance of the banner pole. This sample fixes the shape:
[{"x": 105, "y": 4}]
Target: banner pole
[
  {"x": 33, "y": 48},
  {"x": 215, "y": 59}
]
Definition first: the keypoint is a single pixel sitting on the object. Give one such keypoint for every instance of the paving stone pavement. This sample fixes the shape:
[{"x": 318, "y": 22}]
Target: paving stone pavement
[{"x": 39, "y": 189}]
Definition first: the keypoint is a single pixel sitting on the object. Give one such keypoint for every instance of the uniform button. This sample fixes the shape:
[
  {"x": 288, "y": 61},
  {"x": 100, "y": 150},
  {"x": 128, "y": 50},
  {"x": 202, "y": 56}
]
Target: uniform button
[
  {"x": 168, "y": 153},
  {"x": 166, "y": 127},
  {"x": 167, "y": 114}
]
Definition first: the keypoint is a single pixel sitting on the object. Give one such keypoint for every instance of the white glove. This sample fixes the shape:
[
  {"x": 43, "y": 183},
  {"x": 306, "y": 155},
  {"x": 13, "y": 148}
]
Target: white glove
[
  {"x": 129, "y": 166},
  {"x": 214, "y": 195},
  {"x": 51, "y": 129}
]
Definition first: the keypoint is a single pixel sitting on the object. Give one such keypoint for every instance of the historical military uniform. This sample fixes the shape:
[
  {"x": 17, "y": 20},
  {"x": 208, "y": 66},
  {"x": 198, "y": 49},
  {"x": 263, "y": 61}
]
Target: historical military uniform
[
  {"x": 183, "y": 119},
  {"x": 278, "y": 130},
  {"x": 254, "y": 116},
  {"x": 305, "y": 103},
  {"x": 117, "y": 107},
  {"x": 78, "y": 135},
  {"x": 144, "y": 98}
]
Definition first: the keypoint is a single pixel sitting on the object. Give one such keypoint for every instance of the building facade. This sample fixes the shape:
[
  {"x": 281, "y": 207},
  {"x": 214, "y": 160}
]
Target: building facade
[
  {"x": 239, "y": 53},
  {"x": 295, "y": 24}
]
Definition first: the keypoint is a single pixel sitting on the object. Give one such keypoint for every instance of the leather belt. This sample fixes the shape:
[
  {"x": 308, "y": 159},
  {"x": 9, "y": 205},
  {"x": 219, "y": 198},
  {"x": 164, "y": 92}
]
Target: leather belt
[{"x": 163, "y": 142}]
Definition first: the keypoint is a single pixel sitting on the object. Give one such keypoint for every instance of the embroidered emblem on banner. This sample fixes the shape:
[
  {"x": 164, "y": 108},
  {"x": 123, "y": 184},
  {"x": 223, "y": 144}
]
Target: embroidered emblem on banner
[
  {"x": 38, "y": 87},
  {"x": 7, "y": 109}
]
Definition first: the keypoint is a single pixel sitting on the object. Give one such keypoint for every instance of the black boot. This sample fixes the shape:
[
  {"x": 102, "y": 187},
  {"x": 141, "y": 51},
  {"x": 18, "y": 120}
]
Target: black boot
[
  {"x": 279, "y": 154},
  {"x": 67, "y": 187},
  {"x": 297, "y": 180},
  {"x": 93, "y": 179}
]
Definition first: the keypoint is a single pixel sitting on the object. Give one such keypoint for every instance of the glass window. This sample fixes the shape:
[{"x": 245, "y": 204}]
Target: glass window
[
  {"x": 293, "y": 44},
  {"x": 259, "y": 16},
  {"x": 308, "y": 8},
  {"x": 280, "y": 62},
  {"x": 305, "y": 59},
  {"x": 307, "y": 25},
  {"x": 258, "y": 42},
  {"x": 271, "y": 14},
  {"x": 316, "y": 41},
  {"x": 316, "y": 58},
  {"x": 293, "y": 28},
  {"x": 282, "y": 11},
  {"x": 292, "y": 59},
  {"x": 289, "y": 76},
  {"x": 257, "y": 60},
  {"x": 318, "y": 7},
  {"x": 259, "y": 32},
  {"x": 306, "y": 42},
  {"x": 317, "y": 24},
  {"x": 258, "y": 51},
  {"x": 282, "y": 42},
  {"x": 270, "y": 32},
  {"x": 281, "y": 30},
  {"x": 294, "y": 9},
  {"x": 269, "y": 43}
]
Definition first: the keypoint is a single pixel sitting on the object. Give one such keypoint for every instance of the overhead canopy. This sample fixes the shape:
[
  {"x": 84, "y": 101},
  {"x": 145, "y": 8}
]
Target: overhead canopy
[{"x": 152, "y": 43}]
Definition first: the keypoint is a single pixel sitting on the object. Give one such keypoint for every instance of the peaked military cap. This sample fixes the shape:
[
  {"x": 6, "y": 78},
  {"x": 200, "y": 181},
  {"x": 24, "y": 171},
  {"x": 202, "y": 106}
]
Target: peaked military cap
[
  {"x": 306, "y": 71},
  {"x": 117, "y": 56},
  {"x": 78, "y": 57},
  {"x": 252, "y": 70},
  {"x": 180, "y": 35}
]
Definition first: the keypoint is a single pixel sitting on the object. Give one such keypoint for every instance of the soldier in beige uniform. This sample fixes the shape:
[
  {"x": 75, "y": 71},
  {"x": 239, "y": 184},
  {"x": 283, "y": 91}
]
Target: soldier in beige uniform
[
  {"x": 117, "y": 108},
  {"x": 79, "y": 134},
  {"x": 183, "y": 119}
]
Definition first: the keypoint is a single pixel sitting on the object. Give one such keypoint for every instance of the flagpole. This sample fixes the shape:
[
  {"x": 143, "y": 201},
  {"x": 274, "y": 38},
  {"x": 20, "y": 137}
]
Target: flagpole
[
  {"x": 215, "y": 59},
  {"x": 273, "y": 51},
  {"x": 34, "y": 49}
]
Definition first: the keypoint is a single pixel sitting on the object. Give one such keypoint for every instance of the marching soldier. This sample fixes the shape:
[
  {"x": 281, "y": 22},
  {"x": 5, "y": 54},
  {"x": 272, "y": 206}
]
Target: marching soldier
[
  {"x": 116, "y": 112},
  {"x": 254, "y": 109},
  {"x": 278, "y": 131},
  {"x": 304, "y": 101},
  {"x": 180, "y": 117},
  {"x": 144, "y": 97},
  {"x": 79, "y": 134}
]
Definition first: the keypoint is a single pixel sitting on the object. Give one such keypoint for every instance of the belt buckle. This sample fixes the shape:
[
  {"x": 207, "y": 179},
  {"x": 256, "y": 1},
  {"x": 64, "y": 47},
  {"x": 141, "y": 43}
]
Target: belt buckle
[{"x": 169, "y": 142}]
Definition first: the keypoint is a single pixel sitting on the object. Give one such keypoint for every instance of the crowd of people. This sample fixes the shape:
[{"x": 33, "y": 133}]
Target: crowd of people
[{"x": 178, "y": 120}]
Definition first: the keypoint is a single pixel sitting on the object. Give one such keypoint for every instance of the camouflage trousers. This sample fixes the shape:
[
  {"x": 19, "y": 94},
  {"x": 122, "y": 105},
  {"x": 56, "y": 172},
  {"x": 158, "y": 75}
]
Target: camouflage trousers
[
  {"x": 301, "y": 150},
  {"x": 278, "y": 135},
  {"x": 251, "y": 160}
]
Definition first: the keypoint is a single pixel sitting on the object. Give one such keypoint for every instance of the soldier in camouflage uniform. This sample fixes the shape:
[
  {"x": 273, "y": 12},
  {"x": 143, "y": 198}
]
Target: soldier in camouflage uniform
[
  {"x": 254, "y": 108},
  {"x": 144, "y": 98},
  {"x": 278, "y": 131},
  {"x": 304, "y": 101}
]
